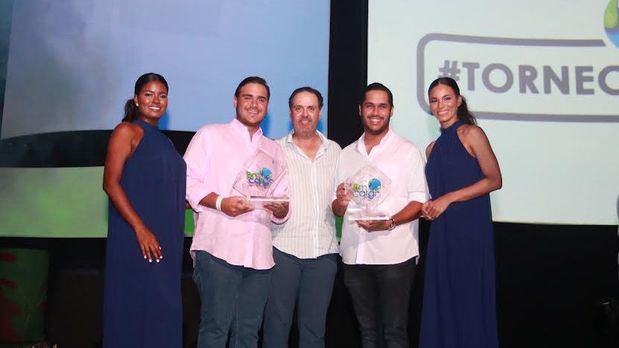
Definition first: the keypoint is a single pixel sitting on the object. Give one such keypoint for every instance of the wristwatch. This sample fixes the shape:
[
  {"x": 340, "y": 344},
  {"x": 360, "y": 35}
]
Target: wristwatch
[{"x": 391, "y": 224}]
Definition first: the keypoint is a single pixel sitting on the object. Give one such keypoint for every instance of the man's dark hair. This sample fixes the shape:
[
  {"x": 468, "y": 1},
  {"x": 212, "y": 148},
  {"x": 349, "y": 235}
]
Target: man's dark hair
[
  {"x": 306, "y": 89},
  {"x": 253, "y": 79},
  {"x": 377, "y": 86}
]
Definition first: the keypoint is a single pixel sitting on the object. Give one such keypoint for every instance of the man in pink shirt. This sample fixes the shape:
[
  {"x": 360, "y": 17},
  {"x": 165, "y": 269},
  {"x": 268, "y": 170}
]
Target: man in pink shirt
[{"x": 232, "y": 240}]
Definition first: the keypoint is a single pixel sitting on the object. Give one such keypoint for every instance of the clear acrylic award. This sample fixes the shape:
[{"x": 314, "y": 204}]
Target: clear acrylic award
[
  {"x": 260, "y": 179},
  {"x": 367, "y": 188}
]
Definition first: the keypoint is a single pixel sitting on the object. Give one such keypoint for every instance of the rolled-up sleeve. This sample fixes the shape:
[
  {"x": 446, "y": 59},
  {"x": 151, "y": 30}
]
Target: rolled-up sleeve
[
  {"x": 417, "y": 186},
  {"x": 196, "y": 157}
]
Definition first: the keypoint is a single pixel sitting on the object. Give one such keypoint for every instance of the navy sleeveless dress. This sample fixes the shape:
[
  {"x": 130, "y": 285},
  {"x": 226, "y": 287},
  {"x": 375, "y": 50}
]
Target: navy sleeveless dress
[
  {"x": 142, "y": 301},
  {"x": 459, "y": 309}
]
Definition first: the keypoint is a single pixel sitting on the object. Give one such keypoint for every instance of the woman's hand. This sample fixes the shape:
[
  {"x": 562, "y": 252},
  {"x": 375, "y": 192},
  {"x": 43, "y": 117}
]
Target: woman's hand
[
  {"x": 149, "y": 245},
  {"x": 432, "y": 209}
]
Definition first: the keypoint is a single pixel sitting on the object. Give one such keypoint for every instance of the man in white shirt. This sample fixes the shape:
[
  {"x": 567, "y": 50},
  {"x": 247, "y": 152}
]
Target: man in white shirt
[
  {"x": 379, "y": 255},
  {"x": 305, "y": 247}
]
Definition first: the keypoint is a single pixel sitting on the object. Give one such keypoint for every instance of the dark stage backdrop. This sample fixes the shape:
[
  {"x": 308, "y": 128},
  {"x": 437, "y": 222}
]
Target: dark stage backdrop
[{"x": 552, "y": 280}]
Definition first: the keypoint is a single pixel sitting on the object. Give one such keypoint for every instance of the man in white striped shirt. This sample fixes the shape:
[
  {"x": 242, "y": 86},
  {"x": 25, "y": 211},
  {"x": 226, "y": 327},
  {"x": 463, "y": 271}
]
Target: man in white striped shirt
[{"x": 305, "y": 247}]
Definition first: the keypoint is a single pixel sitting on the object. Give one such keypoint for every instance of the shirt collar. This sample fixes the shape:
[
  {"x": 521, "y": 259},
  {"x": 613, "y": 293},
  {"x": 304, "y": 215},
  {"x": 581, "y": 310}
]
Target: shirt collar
[
  {"x": 383, "y": 141},
  {"x": 323, "y": 146},
  {"x": 323, "y": 139},
  {"x": 241, "y": 128}
]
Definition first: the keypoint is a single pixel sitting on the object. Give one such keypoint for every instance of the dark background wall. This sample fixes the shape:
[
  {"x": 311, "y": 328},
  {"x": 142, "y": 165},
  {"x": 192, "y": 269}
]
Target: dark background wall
[{"x": 553, "y": 282}]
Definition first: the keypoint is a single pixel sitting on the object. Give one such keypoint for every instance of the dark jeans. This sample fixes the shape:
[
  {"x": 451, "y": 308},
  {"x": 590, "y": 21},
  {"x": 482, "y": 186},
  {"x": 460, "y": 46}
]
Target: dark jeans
[
  {"x": 380, "y": 296},
  {"x": 233, "y": 299},
  {"x": 308, "y": 283}
]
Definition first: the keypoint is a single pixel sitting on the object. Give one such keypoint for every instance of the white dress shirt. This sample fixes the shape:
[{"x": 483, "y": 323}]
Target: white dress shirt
[{"x": 401, "y": 161}]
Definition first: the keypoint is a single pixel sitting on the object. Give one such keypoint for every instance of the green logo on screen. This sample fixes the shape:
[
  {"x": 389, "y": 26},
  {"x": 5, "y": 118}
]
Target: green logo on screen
[{"x": 611, "y": 21}]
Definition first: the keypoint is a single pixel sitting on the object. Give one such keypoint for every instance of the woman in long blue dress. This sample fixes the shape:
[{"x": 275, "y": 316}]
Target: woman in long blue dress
[
  {"x": 144, "y": 177},
  {"x": 459, "y": 309}
]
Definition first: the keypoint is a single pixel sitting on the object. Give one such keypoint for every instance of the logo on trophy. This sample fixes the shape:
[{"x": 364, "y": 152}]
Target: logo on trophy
[
  {"x": 260, "y": 179},
  {"x": 367, "y": 188}
]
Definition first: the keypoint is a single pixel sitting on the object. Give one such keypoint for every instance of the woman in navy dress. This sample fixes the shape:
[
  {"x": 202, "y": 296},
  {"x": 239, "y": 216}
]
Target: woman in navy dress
[
  {"x": 459, "y": 309},
  {"x": 144, "y": 177}
]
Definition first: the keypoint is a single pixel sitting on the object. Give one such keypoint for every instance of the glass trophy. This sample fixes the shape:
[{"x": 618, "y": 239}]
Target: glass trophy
[
  {"x": 260, "y": 179},
  {"x": 367, "y": 188}
]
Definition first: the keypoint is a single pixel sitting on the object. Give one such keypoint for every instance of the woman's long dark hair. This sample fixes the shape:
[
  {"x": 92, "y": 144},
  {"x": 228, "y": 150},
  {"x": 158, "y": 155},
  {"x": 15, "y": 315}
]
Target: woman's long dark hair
[
  {"x": 463, "y": 111},
  {"x": 131, "y": 110}
]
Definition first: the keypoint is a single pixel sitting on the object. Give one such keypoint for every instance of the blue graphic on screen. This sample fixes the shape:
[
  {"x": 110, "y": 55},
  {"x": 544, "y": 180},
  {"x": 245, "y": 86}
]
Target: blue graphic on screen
[{"x": 72, "y": 64}]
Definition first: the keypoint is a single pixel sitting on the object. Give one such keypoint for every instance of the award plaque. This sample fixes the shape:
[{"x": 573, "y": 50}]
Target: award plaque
[
  {"x": 367, "y": 188},
  {"x": 260, "y": 179}
]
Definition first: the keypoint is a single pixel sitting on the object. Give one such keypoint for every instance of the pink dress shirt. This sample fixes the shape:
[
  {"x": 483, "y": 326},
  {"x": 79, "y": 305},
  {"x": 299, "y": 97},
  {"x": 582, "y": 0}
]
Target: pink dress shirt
[{"x": 214, "y": 157}]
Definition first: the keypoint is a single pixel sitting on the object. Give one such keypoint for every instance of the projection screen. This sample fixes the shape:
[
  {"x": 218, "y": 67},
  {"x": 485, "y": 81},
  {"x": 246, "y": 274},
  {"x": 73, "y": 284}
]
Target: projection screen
[
  {"x": 541, "y": 76},
  {"x": 71, "y": 64}
]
